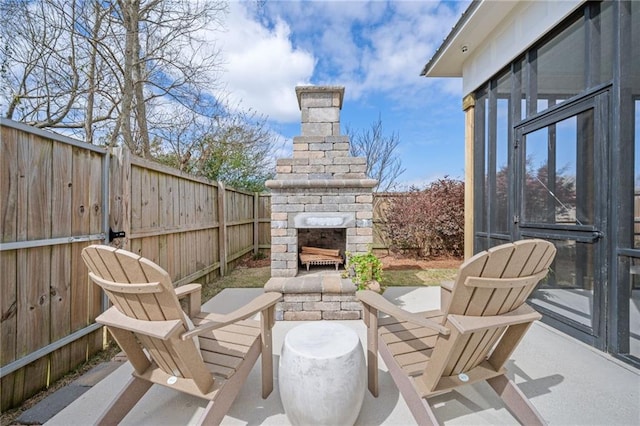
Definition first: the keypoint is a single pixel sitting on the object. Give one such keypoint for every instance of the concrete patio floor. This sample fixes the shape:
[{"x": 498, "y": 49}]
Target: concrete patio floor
[{"x": 568, "y": 382}]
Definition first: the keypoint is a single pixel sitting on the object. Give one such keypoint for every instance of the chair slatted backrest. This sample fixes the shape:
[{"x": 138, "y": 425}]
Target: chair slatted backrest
[
  {"x": 494, "y": 282},
  {"x": 142, "y": 290},
  {"x": 475, "y": 293}
]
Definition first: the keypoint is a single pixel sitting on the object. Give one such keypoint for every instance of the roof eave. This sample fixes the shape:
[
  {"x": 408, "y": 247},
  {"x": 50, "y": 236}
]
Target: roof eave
[
  {"x": 446, "y": 43},
  {"x": 477, "y": 23}
]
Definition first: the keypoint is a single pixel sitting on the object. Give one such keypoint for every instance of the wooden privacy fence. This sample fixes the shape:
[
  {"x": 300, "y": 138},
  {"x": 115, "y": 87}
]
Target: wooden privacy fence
[
  {"x": 53, "y": 203},
  {"x": 381, "y": 202},
  {"x": 192, "y": 227},
  {"x": 59, "y": 195}
]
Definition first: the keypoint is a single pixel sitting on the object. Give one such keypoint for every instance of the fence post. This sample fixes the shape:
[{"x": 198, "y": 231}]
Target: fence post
[
  {"x": 120, "y": 202},
  {"x": 256, "y": 223},
  {"x": 222, "y": 227}
]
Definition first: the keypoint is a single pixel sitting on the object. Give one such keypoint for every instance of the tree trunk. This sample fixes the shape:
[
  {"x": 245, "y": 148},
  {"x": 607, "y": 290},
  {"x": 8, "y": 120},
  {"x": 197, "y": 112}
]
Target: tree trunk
[
  {"x": 141, "y": 108},
  {"x": 129, "y": 10},
  {"x": 91, "y": 74}
]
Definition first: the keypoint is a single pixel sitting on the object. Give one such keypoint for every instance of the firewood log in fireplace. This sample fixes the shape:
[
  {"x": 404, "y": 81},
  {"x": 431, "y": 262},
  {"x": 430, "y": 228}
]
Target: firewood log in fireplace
[{"x": 320, "y": 256}]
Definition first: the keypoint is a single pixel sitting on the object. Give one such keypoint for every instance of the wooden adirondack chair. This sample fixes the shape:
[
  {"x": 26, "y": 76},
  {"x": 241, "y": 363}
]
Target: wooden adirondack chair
[
  {"x": 481, "y": 321},
  {"x": 203, "y": 354}
]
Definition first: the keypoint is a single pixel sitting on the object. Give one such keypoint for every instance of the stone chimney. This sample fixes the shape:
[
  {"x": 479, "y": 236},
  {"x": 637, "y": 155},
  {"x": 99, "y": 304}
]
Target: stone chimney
[
  {"x": 320, "y": 107},
  {"x": 320, "y": 198},
  {"x": 322, "y": 189}
]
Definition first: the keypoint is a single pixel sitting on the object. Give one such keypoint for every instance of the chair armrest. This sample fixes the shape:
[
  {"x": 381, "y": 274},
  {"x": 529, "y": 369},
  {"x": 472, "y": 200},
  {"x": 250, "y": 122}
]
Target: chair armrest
[
  {"x": 378, "y": 302},
  {"x": 164, "y": 330},
  {"x": 212, "y": 321},
  {"x": 470, "y": 324},
  {"x": 194, "y": 293},
  {"x": 187, "y": 289}
]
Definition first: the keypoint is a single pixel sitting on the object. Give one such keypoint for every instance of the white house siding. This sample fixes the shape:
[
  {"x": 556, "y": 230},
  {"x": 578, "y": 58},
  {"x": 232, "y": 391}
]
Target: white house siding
[{"x": 521, "y": 28}]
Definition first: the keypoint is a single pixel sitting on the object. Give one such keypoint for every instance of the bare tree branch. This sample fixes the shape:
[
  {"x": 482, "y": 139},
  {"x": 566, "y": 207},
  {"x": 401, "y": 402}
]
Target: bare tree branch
[{"x": 379, "y": 150}]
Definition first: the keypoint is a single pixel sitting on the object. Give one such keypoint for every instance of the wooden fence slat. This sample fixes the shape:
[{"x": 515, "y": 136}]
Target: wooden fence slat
[
  {"x": 145, "y": 197},
  {"x": 62, "y": 161},
  {"x": 175, "y": 200},
  {"x": 8, "y": 389},
  {"x": 22, "y": 161},
  {"x": 8, "y": 209},
  {"x": 34, "y": 302},
  {"x": 38, "y": 207},
  {"x": 94, "y": 295},
  {"x": 22, "y": 185},
  {"x": 95, "y": 193},
  {"x": 120, "y": 194},
  {"x": 163, "y": 204},
  {"x": 256, "y": 223},
  {"x": 80, "y": 224},
  {"x": 154, "y": 202},
  {"x": 222, "y": 229},
  {"x": 36, "y": 313},
  {"x": 8, "y": 307},
  {"x": 135, "y": 189},
  {"x": 9, "y": 179}
]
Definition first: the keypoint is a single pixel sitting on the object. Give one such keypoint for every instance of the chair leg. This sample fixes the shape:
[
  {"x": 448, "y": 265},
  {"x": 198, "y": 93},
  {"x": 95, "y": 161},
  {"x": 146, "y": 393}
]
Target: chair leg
[
  {"x": 371, "y": 320},
  {"x": 216, "y": 410},
  {"x": 419, "y": 407},
  {"x": 124, "y": 402},
  {"x": 516, "y": 401},
  {"x": 212, "y": 415},
  {"x": 266, "y": 357}
]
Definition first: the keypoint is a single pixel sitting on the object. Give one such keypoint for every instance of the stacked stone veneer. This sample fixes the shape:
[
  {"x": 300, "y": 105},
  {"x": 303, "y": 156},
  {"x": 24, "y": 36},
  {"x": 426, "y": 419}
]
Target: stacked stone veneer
[{"x": 322, "y": 186}]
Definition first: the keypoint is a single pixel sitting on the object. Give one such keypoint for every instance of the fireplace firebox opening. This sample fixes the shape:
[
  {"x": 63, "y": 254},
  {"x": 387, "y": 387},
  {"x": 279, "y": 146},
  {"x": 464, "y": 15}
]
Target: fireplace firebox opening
[{"x": 322, "y": 247}]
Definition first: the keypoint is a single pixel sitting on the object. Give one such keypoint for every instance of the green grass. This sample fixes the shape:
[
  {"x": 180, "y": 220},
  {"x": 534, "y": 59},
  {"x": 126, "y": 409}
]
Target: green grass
[
  {"x": 238, "y": 278},
  {"x": 417, "y": 277}
]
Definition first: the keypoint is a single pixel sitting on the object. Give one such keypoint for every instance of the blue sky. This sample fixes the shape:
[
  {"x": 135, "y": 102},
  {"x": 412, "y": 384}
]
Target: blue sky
[{"x": 375, "y": 49}]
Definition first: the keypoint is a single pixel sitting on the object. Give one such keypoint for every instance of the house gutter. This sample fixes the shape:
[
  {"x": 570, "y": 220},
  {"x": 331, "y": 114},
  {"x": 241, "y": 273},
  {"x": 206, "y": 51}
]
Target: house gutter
[{"x": 466, "y": 15}]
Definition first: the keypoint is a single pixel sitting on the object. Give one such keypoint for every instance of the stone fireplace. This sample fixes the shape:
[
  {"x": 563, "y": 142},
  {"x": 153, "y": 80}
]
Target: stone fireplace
[{"x": 322, "y": 198}]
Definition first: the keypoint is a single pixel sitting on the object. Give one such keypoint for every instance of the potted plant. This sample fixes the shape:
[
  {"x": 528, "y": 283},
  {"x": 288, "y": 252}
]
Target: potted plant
[{"x": 365, "y": 270}]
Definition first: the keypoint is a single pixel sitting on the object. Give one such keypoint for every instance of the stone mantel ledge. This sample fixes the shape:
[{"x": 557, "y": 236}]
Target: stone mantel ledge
[
  {"x": 329, "y": 283},
  {"x": 321, "y": 183}
]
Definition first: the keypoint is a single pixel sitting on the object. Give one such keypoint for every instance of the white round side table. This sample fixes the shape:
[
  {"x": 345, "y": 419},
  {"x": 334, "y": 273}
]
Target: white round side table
[{"x": 322, "y": 374}]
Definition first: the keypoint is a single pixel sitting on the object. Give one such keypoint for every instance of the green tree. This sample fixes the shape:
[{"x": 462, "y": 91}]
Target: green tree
[{"x": 237, "y": 150}]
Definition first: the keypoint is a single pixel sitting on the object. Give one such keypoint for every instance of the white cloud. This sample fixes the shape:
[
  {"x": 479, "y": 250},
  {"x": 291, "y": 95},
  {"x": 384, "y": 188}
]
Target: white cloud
[
  {"x": 261, "y": 66},
  {"x": 372, "y": 48}
]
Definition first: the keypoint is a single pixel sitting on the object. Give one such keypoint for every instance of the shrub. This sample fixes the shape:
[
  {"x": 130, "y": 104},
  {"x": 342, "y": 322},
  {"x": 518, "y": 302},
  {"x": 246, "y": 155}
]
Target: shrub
[{"x": 428, "y": 221}]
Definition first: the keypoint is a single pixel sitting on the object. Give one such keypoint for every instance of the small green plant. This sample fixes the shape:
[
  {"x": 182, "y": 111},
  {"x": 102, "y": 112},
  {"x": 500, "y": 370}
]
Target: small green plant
[
  {"x": 259, "y": 256},
  {"x": 365, "y": 270}
]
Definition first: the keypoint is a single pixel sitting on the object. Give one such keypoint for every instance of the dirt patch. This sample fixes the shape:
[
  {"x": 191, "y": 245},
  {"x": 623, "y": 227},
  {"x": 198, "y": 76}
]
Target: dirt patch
[
  {"x": 390, "y": 262},
  {"x": 260, "y": 261},
  {"x": 397, "y": 262}
]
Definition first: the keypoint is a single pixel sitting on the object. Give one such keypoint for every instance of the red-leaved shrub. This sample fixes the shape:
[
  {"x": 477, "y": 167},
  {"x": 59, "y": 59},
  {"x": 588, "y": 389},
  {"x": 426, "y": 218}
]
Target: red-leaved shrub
[{"x": 428, "y": 222}]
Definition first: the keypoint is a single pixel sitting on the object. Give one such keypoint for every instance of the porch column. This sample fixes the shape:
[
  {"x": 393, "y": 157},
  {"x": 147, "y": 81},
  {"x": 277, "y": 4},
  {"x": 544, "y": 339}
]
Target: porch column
[{"x": 468, "y": 106}]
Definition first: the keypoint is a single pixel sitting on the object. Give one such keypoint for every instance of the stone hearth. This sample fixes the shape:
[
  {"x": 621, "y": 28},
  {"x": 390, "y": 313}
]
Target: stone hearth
[{"x": 321, "y": 188}]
